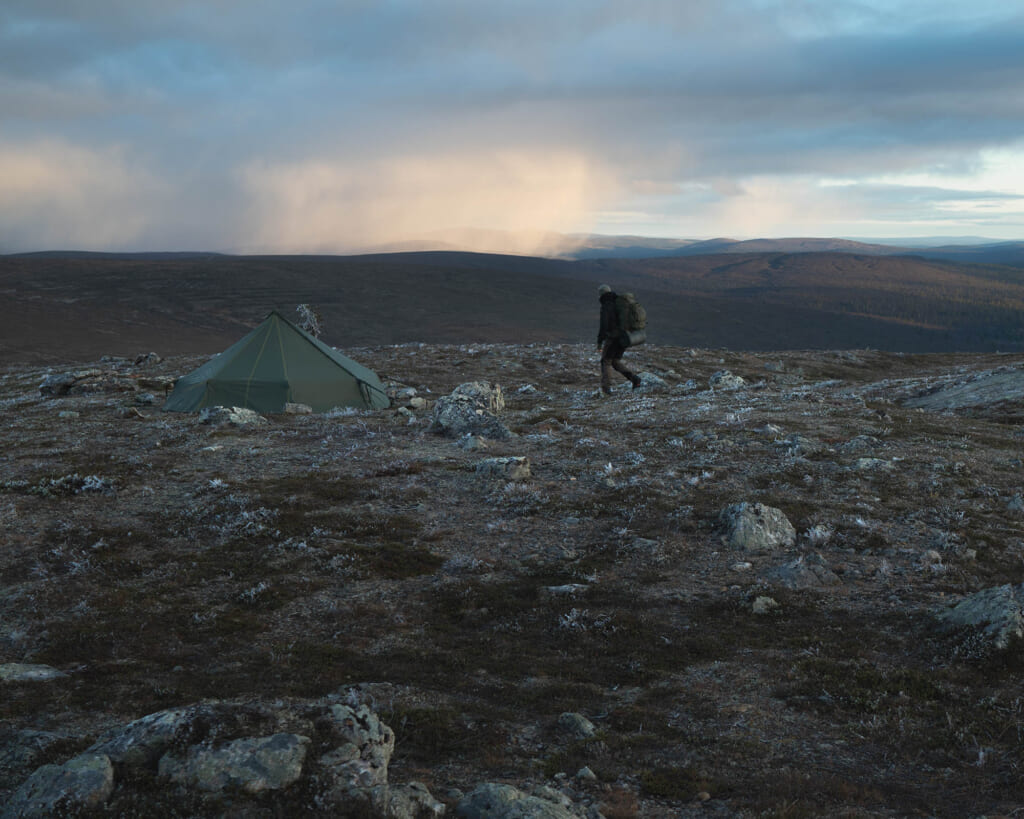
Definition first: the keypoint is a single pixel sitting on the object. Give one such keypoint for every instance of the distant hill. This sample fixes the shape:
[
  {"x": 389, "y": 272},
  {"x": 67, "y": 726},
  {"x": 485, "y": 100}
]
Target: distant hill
[
  {"x": 632, "y": 247},
  {"x": 69, "y": 307}
]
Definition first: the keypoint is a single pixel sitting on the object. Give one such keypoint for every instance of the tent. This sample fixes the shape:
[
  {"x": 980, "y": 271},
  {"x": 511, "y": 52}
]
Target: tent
[{"x": 276, "y": 364}]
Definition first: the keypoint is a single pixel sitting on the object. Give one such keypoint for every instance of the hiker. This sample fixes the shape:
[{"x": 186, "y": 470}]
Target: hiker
[{"x": 612, "y": 341}]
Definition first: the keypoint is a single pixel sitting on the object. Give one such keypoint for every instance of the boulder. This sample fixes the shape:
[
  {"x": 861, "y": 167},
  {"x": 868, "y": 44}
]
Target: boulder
[
  {"x": 81, "y": 783},
  {"x": 144, "y": 741},
  {"x": 997, "y": 615},
  {"x": 56, "y": 385},
  {"x": 410, "y": 801},
  {"x": 576, "y": 725},
  {"x": 364, "y": 749},
  {"x": 253, "y": 765},
  {"x": 497, "y": 801},
  {"x": 471, "y": 409},
  {"x": 755, "y": 527}
]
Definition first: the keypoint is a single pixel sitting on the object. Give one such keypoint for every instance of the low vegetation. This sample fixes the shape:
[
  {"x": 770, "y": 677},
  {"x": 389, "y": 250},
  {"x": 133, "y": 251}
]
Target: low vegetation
[{"x": 159, "y": 562}]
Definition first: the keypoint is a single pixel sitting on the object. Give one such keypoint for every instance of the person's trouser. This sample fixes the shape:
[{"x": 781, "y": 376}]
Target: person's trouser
[{"x": 611, "y": 357}]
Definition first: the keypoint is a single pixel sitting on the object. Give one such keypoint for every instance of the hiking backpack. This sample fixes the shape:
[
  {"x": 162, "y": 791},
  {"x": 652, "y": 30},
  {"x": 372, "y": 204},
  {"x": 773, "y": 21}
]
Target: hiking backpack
[{"x": 632, "y": 319}]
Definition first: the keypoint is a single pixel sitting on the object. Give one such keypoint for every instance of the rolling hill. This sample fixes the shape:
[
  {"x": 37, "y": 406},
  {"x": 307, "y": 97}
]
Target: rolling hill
[{"x": 60, "y": 307}]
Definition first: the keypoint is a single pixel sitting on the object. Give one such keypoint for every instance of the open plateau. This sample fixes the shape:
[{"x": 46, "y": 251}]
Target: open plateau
[{"x": 781, "y": 578}]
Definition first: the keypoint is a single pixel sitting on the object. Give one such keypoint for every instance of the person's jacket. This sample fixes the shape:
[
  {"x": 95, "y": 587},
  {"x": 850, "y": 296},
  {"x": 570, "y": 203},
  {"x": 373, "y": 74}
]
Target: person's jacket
[{"x": 609, "y": 319}]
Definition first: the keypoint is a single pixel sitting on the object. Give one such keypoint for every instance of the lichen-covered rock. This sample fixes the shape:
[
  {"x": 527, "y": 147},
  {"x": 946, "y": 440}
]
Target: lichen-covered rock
[
  {"x": 649, "y": 382},
  {"x": 513, "y": 468},
  {"x": 725, "y": 380},
  {"x": 231, "y": 416},
  {"x": 410, "y": 801},
  {"x": 364, "y": 749},
  {"x": 576, "y": 725},
  {"x": 806, "y": 572},
  {"x": 84, "y": 782},
  {"x": 755, "y": 527},
  {"x": 497, "y": 801},
  {"x": 253, "y": 765},
  {"x": 56, "y": 385},
  {"x": 997, "y": 614},
  {"x": 29, "y": 672},
  {"x": 145, "y": 740},
  {"x": 484, "y": 394},
  {"x": 471, "y": 409}
]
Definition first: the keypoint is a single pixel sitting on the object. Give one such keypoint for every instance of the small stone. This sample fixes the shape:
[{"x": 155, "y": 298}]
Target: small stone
[
  {"x": 765, "y": 605},
  {"x": 514, "y": 468}
]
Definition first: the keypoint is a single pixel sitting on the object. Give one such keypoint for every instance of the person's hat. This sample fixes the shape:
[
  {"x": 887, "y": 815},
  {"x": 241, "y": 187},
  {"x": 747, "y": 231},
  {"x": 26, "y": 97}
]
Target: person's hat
[{"x": 604, "y": 288}]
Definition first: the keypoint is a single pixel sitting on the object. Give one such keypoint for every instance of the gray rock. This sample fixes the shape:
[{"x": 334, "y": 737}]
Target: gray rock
[
  {"x": 997, "y": 613},
  {"x": 410, "y": 801},
  {"x": 802, "y": 445},
  {"x": 471, "y": 409},
  {"x": 471, "y": 443},
  {"x": 806, "y": 572},
  {"x": 483, "y": 394},
  {"x": 764, "y": 605},
  {"x": 86, "y": 781},
  {"x": 512, "y": 468},
  {"x": 231, "y": 416},
  {"x": 145, "y": 740},
  {"x": 29, "y": 672},
  {"x": 755, "y": 527},
  {"x": 56, "y": 385},
  {"x": 20, "y": 752},
  {"x": 497, "y": 801},
  {"x": 725, "y": 380},
  {"x": 254, "y": 765},
  {"x": 576, "y": 725},
  {"x": 365, "y": 746},
  {"x": 649, "y": 382},
  {"x": 979, "y": 390}
]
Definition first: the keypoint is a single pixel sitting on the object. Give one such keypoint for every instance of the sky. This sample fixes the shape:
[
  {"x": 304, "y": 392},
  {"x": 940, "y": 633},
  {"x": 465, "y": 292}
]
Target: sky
[{"x": 317, "y": 126}]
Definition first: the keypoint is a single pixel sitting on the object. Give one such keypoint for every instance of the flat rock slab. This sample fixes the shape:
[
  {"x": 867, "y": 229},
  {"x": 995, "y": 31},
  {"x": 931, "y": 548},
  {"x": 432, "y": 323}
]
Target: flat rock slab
[
  {"x": 28, "y": 672},
  {"x": 984, "y": 390}
]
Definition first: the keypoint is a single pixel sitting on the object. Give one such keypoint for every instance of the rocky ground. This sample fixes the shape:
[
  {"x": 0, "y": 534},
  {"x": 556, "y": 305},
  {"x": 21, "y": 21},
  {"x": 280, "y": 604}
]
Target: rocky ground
[{"x": 761, "y": 585}]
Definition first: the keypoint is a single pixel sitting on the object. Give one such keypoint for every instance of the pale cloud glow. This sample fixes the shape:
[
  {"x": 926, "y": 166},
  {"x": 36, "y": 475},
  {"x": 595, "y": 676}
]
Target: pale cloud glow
[
  {"x": 333, "y": 206},
  {"x": 335, "y": 127},
  {"x": 70, "y": 196}
]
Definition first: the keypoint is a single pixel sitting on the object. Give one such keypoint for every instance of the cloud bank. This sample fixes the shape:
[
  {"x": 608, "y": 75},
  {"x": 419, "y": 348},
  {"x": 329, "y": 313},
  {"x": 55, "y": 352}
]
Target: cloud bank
[{"x": 339, "y": 126}]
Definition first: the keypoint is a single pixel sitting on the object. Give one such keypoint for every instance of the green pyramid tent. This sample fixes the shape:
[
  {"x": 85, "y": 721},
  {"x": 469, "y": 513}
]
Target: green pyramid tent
[{"x": 275, "y": 364}]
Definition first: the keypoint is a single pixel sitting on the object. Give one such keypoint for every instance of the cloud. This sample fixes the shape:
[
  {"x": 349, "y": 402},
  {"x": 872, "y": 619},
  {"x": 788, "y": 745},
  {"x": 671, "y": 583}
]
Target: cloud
[
  {"x": 226, "y": 120},
  {"x": 54, "y": 194},
  {"x": 332, "y": 205}
]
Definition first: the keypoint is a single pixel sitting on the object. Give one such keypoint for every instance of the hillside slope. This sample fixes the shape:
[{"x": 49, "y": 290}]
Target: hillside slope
[{"x": 61, "y": 308}]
